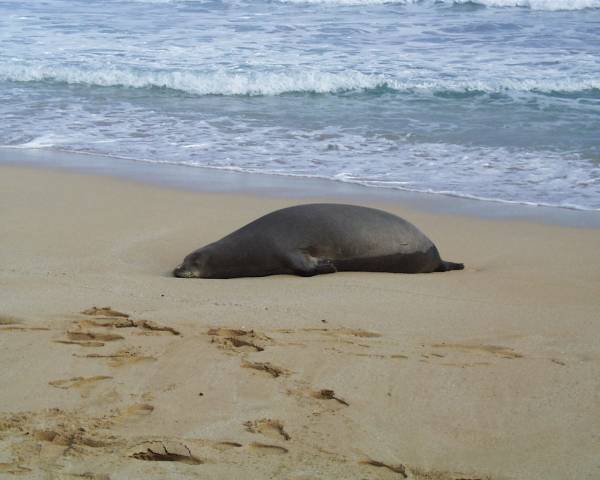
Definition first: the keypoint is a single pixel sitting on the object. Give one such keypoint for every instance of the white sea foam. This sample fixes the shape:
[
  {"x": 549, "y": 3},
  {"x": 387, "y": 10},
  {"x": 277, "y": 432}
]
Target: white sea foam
[
  {"x": 494, "y": 174},
  {"x": 550, "y": 5},
  {"x": 344, "y": 177},
  {"x": 210, "y": 83},
  {"x": 43, "y": 141},
  {"x": 277, "y": 83}
]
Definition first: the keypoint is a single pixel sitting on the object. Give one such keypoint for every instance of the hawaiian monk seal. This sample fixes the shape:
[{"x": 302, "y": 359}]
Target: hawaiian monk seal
[{"x": 317, "y": 238}]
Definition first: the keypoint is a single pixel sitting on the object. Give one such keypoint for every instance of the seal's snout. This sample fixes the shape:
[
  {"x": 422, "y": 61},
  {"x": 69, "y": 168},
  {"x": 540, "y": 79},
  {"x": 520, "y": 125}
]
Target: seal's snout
[
  {"x": 182, "y": 272},
  {"x": 177, "y": 272}
]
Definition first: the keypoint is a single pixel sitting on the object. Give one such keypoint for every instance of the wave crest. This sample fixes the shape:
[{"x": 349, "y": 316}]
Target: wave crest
[
  {"x": 198, "y": 83},
  {"x": 277, "y": 83}
]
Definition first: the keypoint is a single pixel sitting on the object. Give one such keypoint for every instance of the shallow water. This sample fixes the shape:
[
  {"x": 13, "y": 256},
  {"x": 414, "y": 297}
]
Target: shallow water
[{"x": 497, "y": 100}]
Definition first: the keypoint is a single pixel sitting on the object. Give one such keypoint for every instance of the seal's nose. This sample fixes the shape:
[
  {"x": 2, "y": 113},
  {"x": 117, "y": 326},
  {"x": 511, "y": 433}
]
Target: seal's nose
[
  {"x": 183, "y": 272},
  {"x": 179, "y": 272}
]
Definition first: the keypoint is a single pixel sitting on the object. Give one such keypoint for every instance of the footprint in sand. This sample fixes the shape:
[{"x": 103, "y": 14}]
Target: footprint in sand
[
  {"x": 125, "y": 356},
  {"x": 421, "y": 474},
  {"x": 499, "y": 351},
  {"x": 85, "y": 338},
  {"x": 107, "y": 322},
  {"x": 266, "y": 448},
  {"x": 83, "y": 384},
  {"x": 267, "y": 368},
  {"x": 83, "y": 335},
  {"x": 137, "y": 410},
  {"x": 151, "y": 326},
  {"x": 77, "y": 382},
  {"x": 56, "y": 436},
  {"x": 239, "y": 340},
  {"x": 399, "y": 468},
  {"x": 327, "y": 394},
  {"x": 268, "y": 427},
  {"x": 165, "y": 451},
  {"x": 107, "y": 317},
  {"x": 68, "y": 439},
  {"x": 226, "y": 445},
  {"x": 104, "y": 312}
]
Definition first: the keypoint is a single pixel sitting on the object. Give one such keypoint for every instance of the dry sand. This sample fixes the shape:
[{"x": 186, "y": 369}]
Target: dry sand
[{"x": 492, "y": 372}]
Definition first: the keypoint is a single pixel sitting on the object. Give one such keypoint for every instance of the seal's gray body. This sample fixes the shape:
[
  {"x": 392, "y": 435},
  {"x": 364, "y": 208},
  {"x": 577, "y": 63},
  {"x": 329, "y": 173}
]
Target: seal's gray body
[{"x": 317, "y": 238}]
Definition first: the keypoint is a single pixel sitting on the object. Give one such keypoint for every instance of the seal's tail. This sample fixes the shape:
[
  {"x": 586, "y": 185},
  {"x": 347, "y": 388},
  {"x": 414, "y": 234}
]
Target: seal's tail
[{"x": 447, "y": 266}]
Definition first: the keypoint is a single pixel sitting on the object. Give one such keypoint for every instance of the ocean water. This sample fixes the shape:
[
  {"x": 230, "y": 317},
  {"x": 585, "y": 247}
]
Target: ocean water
[{"x": 491, "y": 99}]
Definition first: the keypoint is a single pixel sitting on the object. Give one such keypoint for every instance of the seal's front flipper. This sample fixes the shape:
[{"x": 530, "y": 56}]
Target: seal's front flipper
[
  {"x": 304, "y": 264},
  {"x": 324, "y": 265}
]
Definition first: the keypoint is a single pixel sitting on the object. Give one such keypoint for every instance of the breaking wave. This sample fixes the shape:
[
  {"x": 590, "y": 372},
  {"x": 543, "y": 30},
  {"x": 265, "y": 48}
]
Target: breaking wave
[{"x": 278, "y": 83}]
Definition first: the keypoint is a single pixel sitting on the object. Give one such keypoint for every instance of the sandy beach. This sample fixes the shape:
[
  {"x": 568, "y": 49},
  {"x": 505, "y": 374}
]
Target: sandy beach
[{"x": 488, "y": 373}]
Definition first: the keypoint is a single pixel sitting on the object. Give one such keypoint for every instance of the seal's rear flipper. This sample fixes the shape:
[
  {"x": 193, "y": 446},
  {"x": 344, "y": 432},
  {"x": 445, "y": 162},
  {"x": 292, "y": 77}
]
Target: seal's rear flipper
[{"x": 447, "y": 266}]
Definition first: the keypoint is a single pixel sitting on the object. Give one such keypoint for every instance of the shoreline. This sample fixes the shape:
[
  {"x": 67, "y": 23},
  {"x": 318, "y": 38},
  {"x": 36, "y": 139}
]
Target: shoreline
[
  {"x": 205, "y": 179},
  {"x": 489, "y": 372}
]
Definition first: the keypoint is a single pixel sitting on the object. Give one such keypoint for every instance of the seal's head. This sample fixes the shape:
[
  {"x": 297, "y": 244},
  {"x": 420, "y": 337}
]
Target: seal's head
[{"x": 192, "y": 267}]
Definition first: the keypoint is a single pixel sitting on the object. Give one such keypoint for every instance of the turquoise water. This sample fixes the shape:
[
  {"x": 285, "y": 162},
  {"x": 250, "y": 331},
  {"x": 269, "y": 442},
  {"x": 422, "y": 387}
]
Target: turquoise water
[{"x": 496, "y": 100}]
